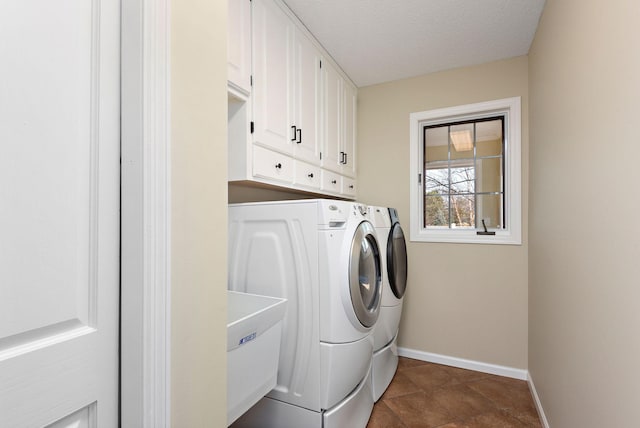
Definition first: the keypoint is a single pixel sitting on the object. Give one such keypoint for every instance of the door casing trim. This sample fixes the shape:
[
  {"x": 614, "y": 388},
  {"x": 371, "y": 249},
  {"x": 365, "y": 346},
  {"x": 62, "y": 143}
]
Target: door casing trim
[{"x": 145, "y": 346}]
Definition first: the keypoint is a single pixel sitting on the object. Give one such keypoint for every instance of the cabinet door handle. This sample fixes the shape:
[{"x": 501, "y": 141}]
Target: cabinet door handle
[
  {"x": 310, "y": 175},
  {"x": 278, "y": 165},
  {"x": 333, "y": 181},
  {"x": 341, "y": 157},
  {"x": 345, "y": 158},
  {"x": 351, "y": 186},
  {"x": 294, "y": 132},
  {"x": 299, "y": 136}
]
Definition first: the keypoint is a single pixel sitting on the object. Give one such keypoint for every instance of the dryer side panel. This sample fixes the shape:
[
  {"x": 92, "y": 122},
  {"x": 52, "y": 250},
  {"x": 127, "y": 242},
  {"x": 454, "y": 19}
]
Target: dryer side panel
[{"x": 273, "y": 251}]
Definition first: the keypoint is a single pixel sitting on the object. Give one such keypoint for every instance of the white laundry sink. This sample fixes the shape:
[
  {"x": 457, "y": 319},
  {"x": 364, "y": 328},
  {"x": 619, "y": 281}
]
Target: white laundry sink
[{"x": 254, "y": 330}]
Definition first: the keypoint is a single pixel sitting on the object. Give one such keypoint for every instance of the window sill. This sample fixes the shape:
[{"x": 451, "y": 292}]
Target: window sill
[{"x": 466, "y": 237}]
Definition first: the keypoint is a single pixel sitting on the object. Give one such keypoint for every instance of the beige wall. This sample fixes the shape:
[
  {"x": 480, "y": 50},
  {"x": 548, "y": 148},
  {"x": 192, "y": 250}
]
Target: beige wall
[
  {"x": 463, "y": 300},
  {"x": 199, "y": 195},
  {"x": 584, "y": 293}
]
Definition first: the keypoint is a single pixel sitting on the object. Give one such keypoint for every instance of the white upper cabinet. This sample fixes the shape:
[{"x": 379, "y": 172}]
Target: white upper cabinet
[
  {"x": 306, "y": 98},
  {"x": 339, "y": 109},
  {"x": 293, "y": 125},
  {"x": 273, "y": 80},
  {"x": 239, "y": 47},
  {"x": 332, "y": 110},
  {"x": 286, "y": 84},
  {"x": 349, "y": 142}
]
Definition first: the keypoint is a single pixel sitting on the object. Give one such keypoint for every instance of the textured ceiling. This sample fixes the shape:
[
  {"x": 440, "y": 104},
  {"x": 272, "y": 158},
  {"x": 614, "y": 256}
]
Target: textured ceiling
[{"x": 377, "y": 41}]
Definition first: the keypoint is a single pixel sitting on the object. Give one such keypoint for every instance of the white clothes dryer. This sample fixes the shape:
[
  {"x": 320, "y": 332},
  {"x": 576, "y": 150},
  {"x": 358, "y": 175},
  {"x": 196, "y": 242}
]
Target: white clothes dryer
[
  {"x": 394, "y": 280},
  {"x": 323, "y": 256}
]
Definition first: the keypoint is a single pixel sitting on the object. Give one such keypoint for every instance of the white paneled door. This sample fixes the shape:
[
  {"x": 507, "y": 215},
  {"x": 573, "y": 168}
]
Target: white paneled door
[{"x": 59, "y": 212}]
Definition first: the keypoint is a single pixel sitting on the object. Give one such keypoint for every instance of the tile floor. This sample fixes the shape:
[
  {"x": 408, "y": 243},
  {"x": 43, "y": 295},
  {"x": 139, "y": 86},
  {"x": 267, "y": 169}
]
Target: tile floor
[{"x": 428, "y": 395}]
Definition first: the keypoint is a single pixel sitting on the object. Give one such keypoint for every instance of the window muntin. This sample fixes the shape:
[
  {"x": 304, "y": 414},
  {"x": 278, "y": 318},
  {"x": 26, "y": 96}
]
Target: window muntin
[
  {"x": 490, "y": 198},
  {"x": 463, "y": 174}
]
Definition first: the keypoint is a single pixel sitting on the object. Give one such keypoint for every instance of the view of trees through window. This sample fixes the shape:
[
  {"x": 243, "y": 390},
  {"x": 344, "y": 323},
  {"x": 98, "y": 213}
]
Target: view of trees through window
[
  {"x": 463, "y": 174},
  {"x": 459, "y": 198}
]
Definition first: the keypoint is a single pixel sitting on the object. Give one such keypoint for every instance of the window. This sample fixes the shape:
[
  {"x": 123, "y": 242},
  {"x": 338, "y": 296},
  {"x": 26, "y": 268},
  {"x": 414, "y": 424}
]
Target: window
[
  {"x": 463, "y": 180},
  {"x": 465, "y": 174}
]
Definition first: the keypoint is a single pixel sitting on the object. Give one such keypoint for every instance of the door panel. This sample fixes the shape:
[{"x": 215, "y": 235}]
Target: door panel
[
  {"x": 83, "y": 418},
  {"x": 59, "y": 211}
]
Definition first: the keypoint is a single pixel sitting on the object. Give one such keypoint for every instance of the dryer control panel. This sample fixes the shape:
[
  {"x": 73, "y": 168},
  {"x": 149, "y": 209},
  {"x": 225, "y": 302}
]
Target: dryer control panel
[{"x": 362, "y": 209}]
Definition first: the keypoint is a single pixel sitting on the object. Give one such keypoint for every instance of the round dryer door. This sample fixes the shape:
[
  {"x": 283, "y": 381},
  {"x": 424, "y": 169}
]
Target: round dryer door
[
  {"x": 365, "y": 281},
  {"x": 397, "y": 261}
]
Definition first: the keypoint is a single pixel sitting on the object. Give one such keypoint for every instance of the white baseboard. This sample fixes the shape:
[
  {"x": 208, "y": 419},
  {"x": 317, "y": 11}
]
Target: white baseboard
[
  {"x": 464, "y": 364},
  {"x": 536, "y": 400}
]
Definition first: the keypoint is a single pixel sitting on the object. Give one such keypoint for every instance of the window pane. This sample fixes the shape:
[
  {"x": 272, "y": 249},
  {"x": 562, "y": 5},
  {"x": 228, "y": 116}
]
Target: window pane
[
  {"x": 436, "y": 210},
  {"x": 436, "y": 144},
  {"x": 463, "y": 213},
  {"x": 437, "y": 180},
  {"x": 462, "y": 179},
  {"x": 489, "y": 148},
  {"x": 489, "y": 175},
  {"x": 463, "y": 173},
  {"x": 461, "y": 141},
  {"x": 490, "y": 209},
  {"x": 489, "y": 138}
]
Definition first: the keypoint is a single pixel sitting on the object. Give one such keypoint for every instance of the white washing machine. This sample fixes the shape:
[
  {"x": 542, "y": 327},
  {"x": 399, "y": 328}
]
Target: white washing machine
[
  {"x": 323, "y": 256},
  {"x": 394, "y": 280}
]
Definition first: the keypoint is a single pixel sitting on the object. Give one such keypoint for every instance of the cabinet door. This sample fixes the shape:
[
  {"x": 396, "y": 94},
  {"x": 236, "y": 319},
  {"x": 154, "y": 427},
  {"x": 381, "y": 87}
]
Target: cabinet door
[
  {"x": 271, "y": 76},
  {"x": 349, "y": 129},
  {"x": 239, "y": 46},
  {"x": 306, "y": 99},
  {"x": 332, "y": 109}
]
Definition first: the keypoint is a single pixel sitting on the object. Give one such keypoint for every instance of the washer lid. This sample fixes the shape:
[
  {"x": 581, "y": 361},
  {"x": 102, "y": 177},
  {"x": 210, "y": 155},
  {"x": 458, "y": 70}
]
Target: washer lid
[
  {"x": 365, "y": 280},
  {"x": 397, "y": 260}
]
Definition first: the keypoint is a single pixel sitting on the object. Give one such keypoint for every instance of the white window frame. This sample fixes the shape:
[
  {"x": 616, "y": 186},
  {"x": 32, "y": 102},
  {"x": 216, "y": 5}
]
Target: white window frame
[{"x": 511, "y": 110}]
